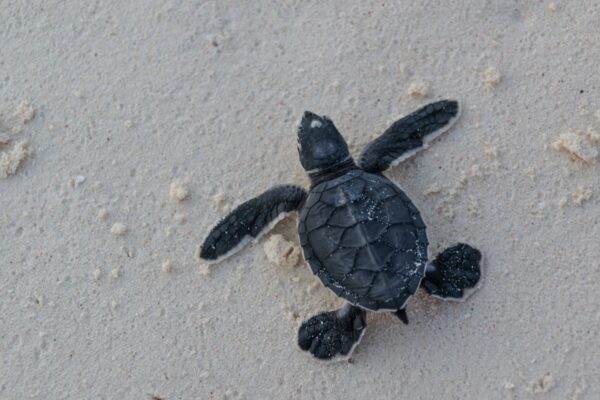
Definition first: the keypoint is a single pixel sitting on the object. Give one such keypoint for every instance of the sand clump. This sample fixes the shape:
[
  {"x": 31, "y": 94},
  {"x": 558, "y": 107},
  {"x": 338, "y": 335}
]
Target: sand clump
[
  {"x": 473, "y": 206},
  {"x": 592, "y": 135},
  {"x": 220, "y": 201},
  {"x": 204, "y": 269},
  {"x": 102, "y": 214},
  {"x": 491, "y": 152},
  {"x": 281, "y": 252},
  {"x": 116, "y": 273},
  {"x": 542, "y": 385},
  {"x": 491, "y": 77},
  {"x": 449, "y": 195},
  {"x": 581, "y": 195},
  {"x": 562, "y": 202},
  {"x": 96, "y": 274},
  {"x": 434, "y": 189},
  {"x": 417, "y": 89},
  {"x": 11, "y": 160},
  {"x": 24, "y": 111},
  {"x": 180, "y": 218},
  {"x": 79, "y": 180},
  {"x": 577, "y": 146},
  {"x": 580, "y": 389},
  {"x": 118, "y": 229},
  {"x": 167, "y": 267},
  {"x": 179, "y": 191}
]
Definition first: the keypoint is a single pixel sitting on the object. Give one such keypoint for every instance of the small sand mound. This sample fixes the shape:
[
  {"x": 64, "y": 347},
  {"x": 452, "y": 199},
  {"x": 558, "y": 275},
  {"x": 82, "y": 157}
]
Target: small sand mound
[
  {"x": 581, "y": 195},
  {"x": 167, "y": 267},
  {"x": 542, "y": 385},
  {"x": 219, "y": 201},
  {"x": 281, "y": 252},
  {"x": 204, "y": 269},
  {"x": 592, "y": 135},
  {"x": 577, "y": 146},
  {"x": 24, "y": 111},
  {"x": 491, "y": 77},
  {"x": 118, "y": 229},
  {"x": 102, "y": 214},
  {"x": 179, "y": 191},
  {"x": 417, "y": 89},
  {"x": 11, "y": 160}
]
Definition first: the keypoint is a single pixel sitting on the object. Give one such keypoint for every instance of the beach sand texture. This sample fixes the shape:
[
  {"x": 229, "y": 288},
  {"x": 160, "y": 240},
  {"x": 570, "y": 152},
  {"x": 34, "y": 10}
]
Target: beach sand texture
[{"x": 127, "y": 128}]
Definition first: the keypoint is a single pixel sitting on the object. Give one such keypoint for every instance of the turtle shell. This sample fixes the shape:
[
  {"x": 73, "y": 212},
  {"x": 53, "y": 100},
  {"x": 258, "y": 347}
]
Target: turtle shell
[{"x": 365, "y": 240}]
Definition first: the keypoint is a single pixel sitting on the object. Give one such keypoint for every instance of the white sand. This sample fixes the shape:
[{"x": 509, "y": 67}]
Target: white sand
[
  {"x": 118, "y": 229},
  {"x": 212, "y": 90},
  {"x": 577, "y": 146},
  {"x": 11, "y": 160},
  {"x": 179, "y": 191},
  {"x": 281, "y": 252},
  {"x": 417, "y": 89},
  {"x": 491, "y": 77}
]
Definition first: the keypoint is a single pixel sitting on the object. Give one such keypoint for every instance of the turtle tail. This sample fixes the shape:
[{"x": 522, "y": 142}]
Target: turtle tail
[{"x": 455, "y": 273}]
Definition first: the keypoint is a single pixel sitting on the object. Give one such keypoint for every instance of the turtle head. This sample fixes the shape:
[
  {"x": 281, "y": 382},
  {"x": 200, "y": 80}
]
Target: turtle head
[{"x": 320, "y": 145}]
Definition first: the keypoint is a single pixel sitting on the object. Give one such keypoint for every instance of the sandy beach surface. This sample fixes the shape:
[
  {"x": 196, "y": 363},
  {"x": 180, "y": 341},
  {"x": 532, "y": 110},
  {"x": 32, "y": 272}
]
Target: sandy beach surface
[{"x": 127, "y": 128}]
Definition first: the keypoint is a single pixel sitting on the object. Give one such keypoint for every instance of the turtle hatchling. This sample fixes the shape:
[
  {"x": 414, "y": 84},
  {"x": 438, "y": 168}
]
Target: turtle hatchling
[{"x": 360, "y": 233}]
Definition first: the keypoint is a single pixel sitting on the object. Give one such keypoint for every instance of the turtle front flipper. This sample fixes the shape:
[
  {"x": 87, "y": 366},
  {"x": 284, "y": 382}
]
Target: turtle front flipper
[
  {"x": 333, "y": 334},
  {"x": 408, "y": 135},
  {"x": 455, "y": 273},
  {"x": 250, "y": 220}
]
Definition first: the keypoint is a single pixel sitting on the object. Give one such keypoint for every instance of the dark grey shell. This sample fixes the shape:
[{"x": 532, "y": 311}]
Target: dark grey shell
[{"x": 365, "y": 240}]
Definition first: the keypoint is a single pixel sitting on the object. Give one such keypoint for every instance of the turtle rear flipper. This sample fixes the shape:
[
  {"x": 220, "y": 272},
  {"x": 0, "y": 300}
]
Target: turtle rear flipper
[
  {"x": 250, "y": 220},
  {"x": 454, "y": 274},
  {"x": 334, "y": 334},
  {"x": 408, "y": 135}
]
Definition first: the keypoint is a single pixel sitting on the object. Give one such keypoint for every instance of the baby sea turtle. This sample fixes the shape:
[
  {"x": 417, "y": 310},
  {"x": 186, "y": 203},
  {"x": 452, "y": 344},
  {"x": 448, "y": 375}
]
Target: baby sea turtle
[{"x": 360, "y": 233}]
